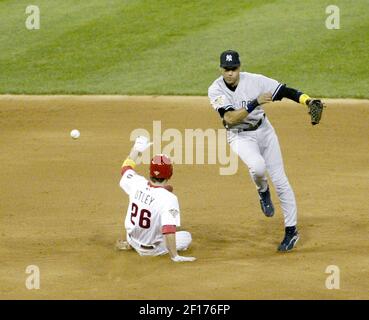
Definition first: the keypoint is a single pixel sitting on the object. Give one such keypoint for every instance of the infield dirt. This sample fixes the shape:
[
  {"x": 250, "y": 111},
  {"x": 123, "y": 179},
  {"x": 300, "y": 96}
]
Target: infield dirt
[{"x": 61, "y": 207}]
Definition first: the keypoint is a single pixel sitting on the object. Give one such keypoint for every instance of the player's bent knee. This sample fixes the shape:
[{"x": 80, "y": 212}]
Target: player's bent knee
[{"x": 258, "y": 170}]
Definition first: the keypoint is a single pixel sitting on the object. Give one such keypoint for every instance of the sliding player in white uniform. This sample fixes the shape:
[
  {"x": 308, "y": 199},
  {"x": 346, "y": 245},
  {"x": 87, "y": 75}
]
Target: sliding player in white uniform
[
  {"x": 238, "y": 96},
  {"x": 153, "y": 213}
]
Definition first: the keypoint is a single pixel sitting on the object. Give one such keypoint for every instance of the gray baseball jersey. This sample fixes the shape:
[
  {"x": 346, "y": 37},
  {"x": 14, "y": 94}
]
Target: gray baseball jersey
[{"x": 250, "y": 86}]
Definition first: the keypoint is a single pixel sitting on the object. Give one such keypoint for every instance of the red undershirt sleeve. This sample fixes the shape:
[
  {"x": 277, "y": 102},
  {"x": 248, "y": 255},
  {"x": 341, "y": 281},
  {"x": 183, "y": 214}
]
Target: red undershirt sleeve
[{"x": 168, "y": 229}]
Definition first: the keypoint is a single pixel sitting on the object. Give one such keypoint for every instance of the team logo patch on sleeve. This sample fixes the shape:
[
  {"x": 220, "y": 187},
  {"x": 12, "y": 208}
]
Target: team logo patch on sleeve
[
  {"x": 218, "y": 102},
  {"x": 174, "y": 212}
]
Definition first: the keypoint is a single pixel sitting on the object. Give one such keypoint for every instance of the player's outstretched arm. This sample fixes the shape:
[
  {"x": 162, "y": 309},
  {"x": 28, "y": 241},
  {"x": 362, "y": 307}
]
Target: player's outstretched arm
[
  {"x": 315, "y": 106},
  {"x": 170, "y": 241},
  {"x": 293, "y": 94},
  {"x": 140, "y": 145}
]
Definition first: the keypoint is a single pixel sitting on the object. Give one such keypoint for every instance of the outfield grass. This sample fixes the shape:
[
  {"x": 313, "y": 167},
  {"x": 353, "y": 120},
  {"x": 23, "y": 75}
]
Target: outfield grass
[{"x": 172, "y": 47}]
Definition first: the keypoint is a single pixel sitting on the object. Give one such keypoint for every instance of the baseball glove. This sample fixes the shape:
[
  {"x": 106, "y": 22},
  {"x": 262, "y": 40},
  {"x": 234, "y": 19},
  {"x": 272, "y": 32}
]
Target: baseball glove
[{"x": 315, "y": 110}]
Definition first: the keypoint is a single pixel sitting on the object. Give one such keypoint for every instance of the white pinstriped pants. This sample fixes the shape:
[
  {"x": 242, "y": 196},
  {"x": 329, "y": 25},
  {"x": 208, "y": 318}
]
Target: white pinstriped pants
[
  {"x": 183, "y": 241},
  {"x": 260, "y": 151}
]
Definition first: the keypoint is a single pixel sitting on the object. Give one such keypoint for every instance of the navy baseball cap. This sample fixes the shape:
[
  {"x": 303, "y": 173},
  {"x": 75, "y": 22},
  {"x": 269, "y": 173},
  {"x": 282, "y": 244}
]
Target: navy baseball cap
[{"x": 230, "y": 59}]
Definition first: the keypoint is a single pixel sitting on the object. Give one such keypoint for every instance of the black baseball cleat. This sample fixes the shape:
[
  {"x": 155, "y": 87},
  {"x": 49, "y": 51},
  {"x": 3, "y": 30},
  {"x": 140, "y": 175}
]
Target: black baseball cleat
[
  {"x": 290, "y": 239},
  {"x": 266, "y": 203}
]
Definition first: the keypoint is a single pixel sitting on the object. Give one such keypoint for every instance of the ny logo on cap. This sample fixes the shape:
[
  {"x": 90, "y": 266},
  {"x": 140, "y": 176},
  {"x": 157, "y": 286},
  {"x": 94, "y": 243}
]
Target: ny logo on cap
[{"x": 229, "y": 57}]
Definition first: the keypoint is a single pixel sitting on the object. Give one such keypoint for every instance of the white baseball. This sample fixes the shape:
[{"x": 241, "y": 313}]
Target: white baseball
[{"x": 75, "y": 134}]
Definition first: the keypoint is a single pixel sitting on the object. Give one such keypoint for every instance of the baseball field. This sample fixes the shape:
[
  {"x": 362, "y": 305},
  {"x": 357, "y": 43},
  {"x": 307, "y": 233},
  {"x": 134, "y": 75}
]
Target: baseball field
[{"x": 110, "y": 68}]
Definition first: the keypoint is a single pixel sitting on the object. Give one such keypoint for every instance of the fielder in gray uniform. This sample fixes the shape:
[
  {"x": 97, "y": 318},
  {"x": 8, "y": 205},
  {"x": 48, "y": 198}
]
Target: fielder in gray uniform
[{"x": 238, "y": 98}]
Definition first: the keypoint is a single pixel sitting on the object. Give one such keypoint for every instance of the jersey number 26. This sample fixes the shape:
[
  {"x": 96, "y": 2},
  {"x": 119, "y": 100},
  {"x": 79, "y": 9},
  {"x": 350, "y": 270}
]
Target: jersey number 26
[{"x": 144, "y": 220}]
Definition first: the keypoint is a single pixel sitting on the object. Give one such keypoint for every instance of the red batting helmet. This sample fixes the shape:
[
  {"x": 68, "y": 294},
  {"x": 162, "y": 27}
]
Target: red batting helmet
[{"x": 161, "y": 167}]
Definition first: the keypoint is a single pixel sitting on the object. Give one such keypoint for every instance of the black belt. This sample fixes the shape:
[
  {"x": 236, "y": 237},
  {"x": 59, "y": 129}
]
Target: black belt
[
  {"x": 146, "y": 247},
  {"x": 252, "y": 127}
]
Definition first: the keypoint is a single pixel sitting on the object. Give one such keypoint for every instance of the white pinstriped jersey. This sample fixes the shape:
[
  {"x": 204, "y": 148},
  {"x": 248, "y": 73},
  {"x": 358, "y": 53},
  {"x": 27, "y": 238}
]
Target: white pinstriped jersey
[
  {"x": 250, "y": 86},
  {"x": 149, "y": 209}
]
